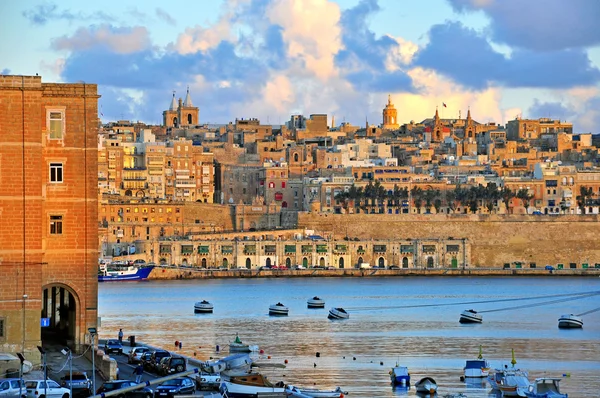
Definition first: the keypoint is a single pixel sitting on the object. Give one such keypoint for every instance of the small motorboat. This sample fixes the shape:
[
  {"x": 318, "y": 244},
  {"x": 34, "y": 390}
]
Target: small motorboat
[
  {"x": 237, "y": 346},
  {"x": 400, "y": 376},
  {"x": 301, "y": 392},
  {"x": 426, "y": 386},
  {"x": 544, "y": 387},
  {"x": 570, "y": 321},
  {"x": 470, "y": 316},
  {"x": 316, "y": 302},
  {"x": 278, "y": 309},
  {"x": 203, "y": 307},
  {"x": 250, "y": 385},
  {"x": 513, "y": 383},
  {"x": 338, "y": 313},
  {"x": 477, "y": 367}
]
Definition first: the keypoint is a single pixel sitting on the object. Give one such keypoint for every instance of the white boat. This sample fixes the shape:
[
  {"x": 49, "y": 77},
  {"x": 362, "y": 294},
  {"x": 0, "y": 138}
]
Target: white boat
[
  {"x": 426, "y": 385},
  {"x": 249, "y": 385},
  {"x": 203, "y": 307},
  {"x": 338, "y": 313},
  {"x": 278, "y": 309},
  {"x": 400, "y": 376},
  {"x": 301, "y": 392},
  {"x": 544, "y": 387},
  {"x": 238, "y": 346},
  {"x": 477, "y": 367},
  {"x": 570, "y": 321},
  {"x": 513, "y": 383},
  {"x": 316, "y": 302},
  {"x": 470, "y": 316}
]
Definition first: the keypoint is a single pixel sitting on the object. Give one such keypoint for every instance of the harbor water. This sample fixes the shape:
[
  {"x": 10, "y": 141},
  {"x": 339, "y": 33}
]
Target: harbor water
[{"x": 412, "y": 321}]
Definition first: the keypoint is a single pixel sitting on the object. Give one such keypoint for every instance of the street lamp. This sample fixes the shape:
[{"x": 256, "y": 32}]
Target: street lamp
[
  {"x": 92, "y": 332},
  {"x": 43, "y": 352},
  {"x": 69, "y": 354},
  {"x": 22, "y": 359}
]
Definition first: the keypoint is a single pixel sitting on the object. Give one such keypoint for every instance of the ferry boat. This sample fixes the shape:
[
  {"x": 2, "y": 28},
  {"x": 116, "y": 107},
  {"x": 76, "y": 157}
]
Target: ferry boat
[
  {"x": 570, "y": 321},
  {"x": 114, "y": 273},
  {"x": 470, "y": 316},
  {"x": 315, "y": 302}
]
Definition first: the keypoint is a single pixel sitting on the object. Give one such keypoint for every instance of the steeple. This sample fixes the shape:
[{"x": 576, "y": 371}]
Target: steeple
[
  {"x": 188, "y": 99},
  {"x": 173, "y": 106},
  {"x": 437, "y": 115},
  {"x": 390, "y": 100},
  {"x": 469, "y": 113}
]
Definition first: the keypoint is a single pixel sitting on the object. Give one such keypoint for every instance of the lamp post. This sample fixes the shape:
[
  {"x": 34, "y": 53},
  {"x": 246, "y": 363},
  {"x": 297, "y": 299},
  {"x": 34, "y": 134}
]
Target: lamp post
[
  {"x": 67, "y": 351},
  {"x": 92, "y": 336},
  {"x": 22, "y": 359},
  {"x": 43, "y": 352}
]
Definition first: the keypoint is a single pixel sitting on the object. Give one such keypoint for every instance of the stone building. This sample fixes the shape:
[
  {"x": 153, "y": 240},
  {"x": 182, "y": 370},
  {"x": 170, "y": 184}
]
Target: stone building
[
  {"x": 181, "y": 113},
  {"x": 390, "y": 116},
  {"x": 49, "y": 254}
]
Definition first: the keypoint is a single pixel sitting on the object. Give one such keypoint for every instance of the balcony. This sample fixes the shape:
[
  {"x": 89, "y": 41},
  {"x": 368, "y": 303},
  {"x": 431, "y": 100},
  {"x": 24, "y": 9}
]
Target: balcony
[
  {"x": 185, "y": 184},
  {"x": 134, "y": 168},
  {"x": 134, "y": 178}
]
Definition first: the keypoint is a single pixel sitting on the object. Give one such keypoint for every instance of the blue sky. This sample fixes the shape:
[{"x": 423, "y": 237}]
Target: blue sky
[{"x": 273, "y": 58}]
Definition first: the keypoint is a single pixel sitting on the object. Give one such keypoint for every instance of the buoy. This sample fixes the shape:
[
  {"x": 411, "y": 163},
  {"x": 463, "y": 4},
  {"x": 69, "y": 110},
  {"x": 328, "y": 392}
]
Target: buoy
[
  {"x": 318, "y": 354},
  {"x": 354, "y": 358},
  {"x": 462, "y": 378},
  {"x": 176, "y": 343},
  {"x": 194, "y": 353},
  {"x": 286, "y": 361},
  {"x": 381, "y": 363},
  {"x": 343, "y": 357},
  {"x": 314, "y": 365},
  {"x": 269, "y": 357},
  {"x": 262, "y": 351},
  {"x": 180, "y": 345}
]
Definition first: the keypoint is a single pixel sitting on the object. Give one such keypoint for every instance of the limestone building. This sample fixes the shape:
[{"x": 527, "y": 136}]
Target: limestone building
[
  {"x": 390, "y": 116},
  {"x": 181, "y": 113}
]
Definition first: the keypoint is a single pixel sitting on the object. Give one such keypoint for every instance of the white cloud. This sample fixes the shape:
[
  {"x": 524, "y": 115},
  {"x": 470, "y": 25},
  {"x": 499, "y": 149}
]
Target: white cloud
[{"x": 119, "y": 40}]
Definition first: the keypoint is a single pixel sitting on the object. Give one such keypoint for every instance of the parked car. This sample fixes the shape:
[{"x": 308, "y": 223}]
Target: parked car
[
  {"x": 146, "y": 360},
  {"x": 144, "y": 392},
  {"x": 135, "y": 355},
  {"x": 178, "y": 386},
  {"x": 394, "y": 267},
  {"x": 156, "y": 357},
  {"x": 81, "y": 384},
  {"x": 48, "y": 389},
  {"x": 549, "y": 268},
  {"x": 205, "y": 381},
  {"x": 11, "y": 388},
  {"x": 170, "y": 365},
  {"x": 112, "y": 345}
]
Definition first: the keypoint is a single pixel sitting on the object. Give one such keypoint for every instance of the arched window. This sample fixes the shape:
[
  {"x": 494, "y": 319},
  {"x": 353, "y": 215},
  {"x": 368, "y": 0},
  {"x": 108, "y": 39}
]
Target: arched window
[
  {"x": 248, "y": 263},
  {"x": 268, "y": 262},
  {"x": 429, "y": 262},
  {"x": 189, "y": 117},
  {"x": 203, "y": 263},
  {"x": 288, "y": 262},
  {"x": 295, "y": 157},
  {"x": 322, "y": 261},
  {"x": 341, "y": 262},
  {"x": 225, "y": 263},
  {"x": 305, "y": 262},
  {"x": 404, "y": 262},
  {"x": 175, "y": 121}
]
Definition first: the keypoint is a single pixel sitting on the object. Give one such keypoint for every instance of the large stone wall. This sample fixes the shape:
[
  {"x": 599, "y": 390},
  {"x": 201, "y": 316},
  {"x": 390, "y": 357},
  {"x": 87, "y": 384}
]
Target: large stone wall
[{"x": 494, "y": 240}]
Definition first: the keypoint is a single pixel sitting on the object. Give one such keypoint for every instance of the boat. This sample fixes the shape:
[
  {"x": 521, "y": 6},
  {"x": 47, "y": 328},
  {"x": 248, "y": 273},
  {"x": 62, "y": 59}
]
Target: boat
[
  {"x": 513, "y": 383},
  {"x": 316, "y": 302},
  {"x": 249, "y": 385},
  {"x": 544, "y": 387},
  {"x": 338, "y": 313},
  {"x": 426, "y": 386},
  {"x": 301, "y": 392},
  {"x": 278, "y": 309},
  {"x": 470, "y": 316},
  {"x": 570, "y": 321},
  {"x": 477, "y": 367},
  {"x": 113, "y": 273},
  {"x": 400, "y": 376},
  {"x": 203, "y": 307},
  {"x": 237, "y": 346}
]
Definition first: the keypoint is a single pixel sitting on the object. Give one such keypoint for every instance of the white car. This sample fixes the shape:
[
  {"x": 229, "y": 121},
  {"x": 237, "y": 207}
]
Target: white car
[
  {"x": 45, "y": 389},
  {"x": 11, "y": 388},
  {"x": 135, "y": 355}
]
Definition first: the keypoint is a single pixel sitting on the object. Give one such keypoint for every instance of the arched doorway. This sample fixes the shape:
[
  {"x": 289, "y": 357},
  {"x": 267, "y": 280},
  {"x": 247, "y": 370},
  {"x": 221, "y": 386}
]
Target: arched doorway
[
  {"x": 184, "y": 262},
  {"x": 225, "y": 263},
  {"x": 203, "y": 263},
  {"x": 360, "y": 261},
  {"x": 430, "y": 262},
  {"x": 381, "y": 262},
  {"x": 268, "y": 262},
  {"x": 341, "y": 262},
  {"x": 60, "y": 305},
  {"x": 128, "y": 192},
  {"x": 322, "y": 262},
  {"x": 288, "y": 262},
  {"x": 454, "y": 262},
  {"x": 248, "y": 263},
  {"x": 305, "y": 262},
  {"x": 163, "y": 261},
  {"x": 404, "y": 262}
]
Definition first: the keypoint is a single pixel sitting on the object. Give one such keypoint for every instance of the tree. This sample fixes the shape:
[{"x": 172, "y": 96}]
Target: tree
[
  {"x": 429, "y": 196},
  {"x": 584, "y": 194},
  {"x": 525, "y": 197},
  {"x": 417, "y": 197},
  {"x": 437, "y": 204},
  {"x": 506, "y": 194}
]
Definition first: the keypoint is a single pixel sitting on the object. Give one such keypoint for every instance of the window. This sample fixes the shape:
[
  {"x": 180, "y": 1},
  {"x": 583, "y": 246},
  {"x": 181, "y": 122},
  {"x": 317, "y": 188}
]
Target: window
[
  {"x": 2, "y": 333},
  {"x": 56, "y": 225},
  {"x": 56, "y": 124},
  {"x": 56, "y": 172}
]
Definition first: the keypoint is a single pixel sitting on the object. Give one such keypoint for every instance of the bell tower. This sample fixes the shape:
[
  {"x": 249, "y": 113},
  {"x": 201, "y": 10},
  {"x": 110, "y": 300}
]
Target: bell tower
[{"x": 390, "y": 116}]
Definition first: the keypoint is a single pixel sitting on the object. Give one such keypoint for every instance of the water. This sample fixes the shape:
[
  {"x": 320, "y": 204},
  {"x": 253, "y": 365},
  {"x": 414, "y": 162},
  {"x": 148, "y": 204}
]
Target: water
[{"x": 429, "y": 340}]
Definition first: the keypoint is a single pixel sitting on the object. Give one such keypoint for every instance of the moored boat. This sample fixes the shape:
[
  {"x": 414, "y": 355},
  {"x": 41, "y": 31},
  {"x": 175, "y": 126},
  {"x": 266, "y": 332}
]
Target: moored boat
[
  {"x": 301, "y": 392},
  {"x": 570, "y": 321},
  {"x": 250, "y": 385},
  {"x": 426, "y": 385},
  {"x": 470, "y": 316},
  {"x": 278, "y": 309},
  {"x": 544, "y": 387},
  {"x": 315, "y": 302},
  {"x": 114, "y": 273},
  {"x": 477, "y": 367},
  {"x": 400, "y": 376},
  {"x": 338, "y": 313},
  {"x": 203, "y": 307},
  {"x": 513, "y": 383},
  {"x": 237, "y": 346}
]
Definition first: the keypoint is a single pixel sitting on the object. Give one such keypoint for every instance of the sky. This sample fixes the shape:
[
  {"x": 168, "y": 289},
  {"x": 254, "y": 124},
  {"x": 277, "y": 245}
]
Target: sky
[{"x": 270, "y": 59}]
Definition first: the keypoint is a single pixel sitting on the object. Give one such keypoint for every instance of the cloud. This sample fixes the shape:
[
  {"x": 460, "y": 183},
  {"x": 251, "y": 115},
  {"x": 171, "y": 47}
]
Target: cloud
[
  {"x": 41, "y": 14},
  {"x": 164, "y": 16},
  {"x": 119, "y": 40},
  {"x": 539, "y": 25},
  {"x": 5, "y": 71},
  {"x": 555, "y": 110},
  {"x": 466, "y": 56}
]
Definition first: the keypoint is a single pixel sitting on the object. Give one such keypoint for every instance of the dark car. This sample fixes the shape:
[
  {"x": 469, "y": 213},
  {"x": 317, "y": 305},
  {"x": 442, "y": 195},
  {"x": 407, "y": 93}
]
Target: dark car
[
  {"x": 81, "y": 384},
  {"x": 156, "y": 357},
  {"x": 143, "y": 392},
  {"x": 146, "y": 360},
  {"x": 178, "y": 386},
  {"x": 170, "y": 365},
  {"x": 113, "y": 346}
]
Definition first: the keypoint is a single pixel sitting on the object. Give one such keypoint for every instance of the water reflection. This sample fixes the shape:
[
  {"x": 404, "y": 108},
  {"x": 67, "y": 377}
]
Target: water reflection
[{"x": 430, "y": 341}]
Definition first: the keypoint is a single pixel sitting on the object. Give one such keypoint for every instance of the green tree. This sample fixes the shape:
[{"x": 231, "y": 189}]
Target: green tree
[
  {"x": 525, "y": 197},
  {"x": 506, "y": 194},
  {"x": 417, "y": 197},
  {"x": 582, "y": 198}
]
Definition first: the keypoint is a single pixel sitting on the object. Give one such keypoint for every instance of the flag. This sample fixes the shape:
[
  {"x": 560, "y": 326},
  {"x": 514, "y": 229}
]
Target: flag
[{"x": 443, "y": 103}]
